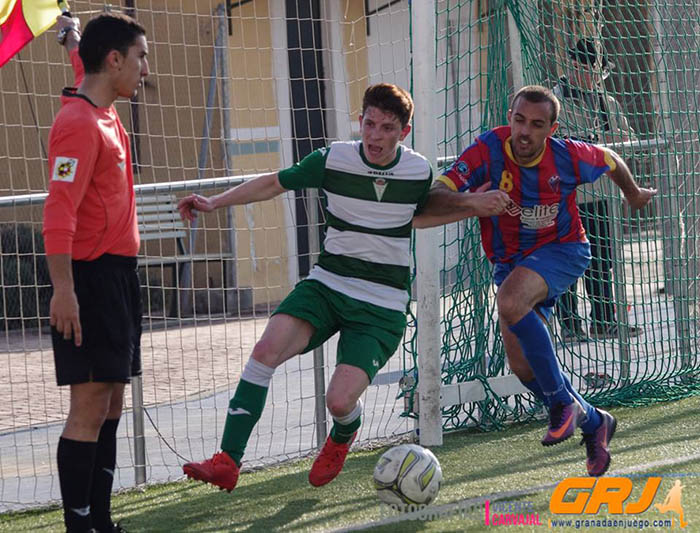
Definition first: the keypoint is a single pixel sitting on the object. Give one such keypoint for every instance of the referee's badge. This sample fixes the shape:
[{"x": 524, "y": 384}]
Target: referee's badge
[
  {"x": 64, "y": 169},
  {"x": 379, "y": 187}
]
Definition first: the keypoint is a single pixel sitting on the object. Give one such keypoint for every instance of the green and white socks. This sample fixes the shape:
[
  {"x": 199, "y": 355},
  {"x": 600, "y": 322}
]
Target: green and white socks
[
  {"x": 248, "y": 402},
  {"x": 245, "y": 408},
  {"x": 345, "y": 427}
]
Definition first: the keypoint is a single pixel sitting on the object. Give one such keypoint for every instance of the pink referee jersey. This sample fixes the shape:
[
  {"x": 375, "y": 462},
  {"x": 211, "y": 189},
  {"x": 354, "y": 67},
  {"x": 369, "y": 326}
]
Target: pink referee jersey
[{"x": 91, "y": 206}]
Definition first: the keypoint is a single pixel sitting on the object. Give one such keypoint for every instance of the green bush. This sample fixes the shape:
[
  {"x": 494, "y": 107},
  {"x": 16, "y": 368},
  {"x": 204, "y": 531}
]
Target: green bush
[{"x": 25, "y": 282}]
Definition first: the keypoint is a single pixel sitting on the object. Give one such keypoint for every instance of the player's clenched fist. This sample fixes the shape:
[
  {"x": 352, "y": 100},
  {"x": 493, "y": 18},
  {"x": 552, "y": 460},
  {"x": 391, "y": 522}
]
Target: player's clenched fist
[
  {"x": 490, "y": 203},
  {"x": 189, "y": 206},
  {"x": 641, "y": 198}
]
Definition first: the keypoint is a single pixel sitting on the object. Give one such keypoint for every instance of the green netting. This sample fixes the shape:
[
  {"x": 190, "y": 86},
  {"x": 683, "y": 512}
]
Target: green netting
[{"x": 641, "y": 61}]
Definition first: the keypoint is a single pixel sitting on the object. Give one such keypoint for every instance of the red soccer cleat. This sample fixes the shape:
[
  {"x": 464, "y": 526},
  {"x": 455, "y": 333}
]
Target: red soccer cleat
[
  {"x": 221, "y": 471},
  {"x": 329, "y": 462}
]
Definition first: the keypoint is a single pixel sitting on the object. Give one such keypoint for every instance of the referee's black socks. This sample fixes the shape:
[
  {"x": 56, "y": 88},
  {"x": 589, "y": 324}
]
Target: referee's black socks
[
  {"x": 103, "y": 476},
  {"x": 75, "y": 467}
]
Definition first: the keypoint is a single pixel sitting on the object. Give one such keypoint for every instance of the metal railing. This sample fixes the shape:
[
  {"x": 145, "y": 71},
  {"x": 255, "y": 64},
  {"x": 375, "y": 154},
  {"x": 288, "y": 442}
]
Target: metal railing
[
  {"x": 138, "y": 406},
  {"x": 20, "y": 200}
]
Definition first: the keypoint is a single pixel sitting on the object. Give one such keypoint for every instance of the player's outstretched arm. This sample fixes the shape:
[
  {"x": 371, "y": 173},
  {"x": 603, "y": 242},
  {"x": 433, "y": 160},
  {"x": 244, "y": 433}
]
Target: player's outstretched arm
[
  {"x": 258, "y": 189},
  {"x": 635, "y": 195},
  {"x": 445, "y": 206}
]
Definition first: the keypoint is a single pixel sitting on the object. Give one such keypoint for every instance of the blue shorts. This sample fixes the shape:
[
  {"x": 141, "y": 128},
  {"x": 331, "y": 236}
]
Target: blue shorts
[{"x": 559, "y": 264}]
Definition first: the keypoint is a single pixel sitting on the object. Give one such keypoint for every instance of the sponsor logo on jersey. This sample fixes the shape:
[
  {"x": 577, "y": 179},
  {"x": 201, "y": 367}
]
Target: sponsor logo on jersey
[
  {"x": 513, "y": 209},
  {"x": 535, "y": 217},
  {"x": 380, "y": 172},
  {"x": 121, "y": 165},
  {"x": 64, "y": 169},
  {"x": 539, "y": 216}
]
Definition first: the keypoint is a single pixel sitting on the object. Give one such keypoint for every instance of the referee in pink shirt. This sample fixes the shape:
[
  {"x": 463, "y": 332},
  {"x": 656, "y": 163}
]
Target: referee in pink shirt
[{"x": 91, "y": 239}]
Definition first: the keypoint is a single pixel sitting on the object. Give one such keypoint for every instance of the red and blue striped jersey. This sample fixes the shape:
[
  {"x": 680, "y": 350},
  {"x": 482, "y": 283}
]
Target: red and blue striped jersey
[{"x": 543, "y": 193}]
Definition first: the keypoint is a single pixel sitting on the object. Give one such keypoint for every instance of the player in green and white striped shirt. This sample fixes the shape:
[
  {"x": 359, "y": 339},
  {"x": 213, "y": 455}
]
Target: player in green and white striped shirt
[{"x": 360, "y": 285}]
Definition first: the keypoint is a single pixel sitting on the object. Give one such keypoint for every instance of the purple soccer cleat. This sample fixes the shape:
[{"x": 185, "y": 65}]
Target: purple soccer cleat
[
  {"x": 597, "y": 453},
  {"x": 563, "y": 420}
]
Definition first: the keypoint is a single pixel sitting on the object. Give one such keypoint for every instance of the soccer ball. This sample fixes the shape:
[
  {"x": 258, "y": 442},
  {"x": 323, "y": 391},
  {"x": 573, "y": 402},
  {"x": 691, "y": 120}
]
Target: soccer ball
[{"x": 407, "y": 475}]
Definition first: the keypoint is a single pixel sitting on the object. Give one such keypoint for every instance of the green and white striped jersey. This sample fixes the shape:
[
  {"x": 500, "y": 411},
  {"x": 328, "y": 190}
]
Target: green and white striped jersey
[{"x": 366, "y": 252}]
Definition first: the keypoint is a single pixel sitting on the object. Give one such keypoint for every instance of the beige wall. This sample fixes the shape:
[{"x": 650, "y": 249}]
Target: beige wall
[
  {"x": 172, "y": 108},
  {"x": 355, "y": 53},
  {"x": 260, "y": 239},
  {"x": 181, "y": 45}
]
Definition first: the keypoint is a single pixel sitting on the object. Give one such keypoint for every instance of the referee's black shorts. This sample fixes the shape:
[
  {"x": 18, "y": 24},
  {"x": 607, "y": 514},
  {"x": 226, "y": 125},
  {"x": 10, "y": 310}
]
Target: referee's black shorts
[{"x": 109, "y": 297}]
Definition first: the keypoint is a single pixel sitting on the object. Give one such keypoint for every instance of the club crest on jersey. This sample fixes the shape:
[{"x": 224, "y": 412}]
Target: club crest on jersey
[
  {"x": 64, "y": 169},
  {"x": 462, "y": 169},
  {"x": 554, "y": 183},
  {"x": 380, "y": 185}
]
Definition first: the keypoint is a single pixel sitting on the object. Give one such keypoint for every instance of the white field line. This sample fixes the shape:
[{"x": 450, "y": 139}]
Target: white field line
[{"x": 471, "y": 504}]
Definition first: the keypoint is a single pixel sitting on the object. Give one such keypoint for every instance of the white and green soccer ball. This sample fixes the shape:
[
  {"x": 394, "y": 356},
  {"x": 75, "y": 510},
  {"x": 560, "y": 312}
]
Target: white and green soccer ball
[{"x": 407, "y": 475}]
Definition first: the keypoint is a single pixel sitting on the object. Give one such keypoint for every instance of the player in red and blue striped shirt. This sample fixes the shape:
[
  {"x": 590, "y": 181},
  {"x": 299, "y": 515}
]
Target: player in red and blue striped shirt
[
  {"x": 543, "y": 206},
  {"x": 538, "y": 246}
]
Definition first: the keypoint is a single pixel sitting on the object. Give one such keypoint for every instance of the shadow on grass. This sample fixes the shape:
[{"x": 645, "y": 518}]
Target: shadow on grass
[
  {"x": 282, "y": 500},
  {"x": 475, "y": 464}
]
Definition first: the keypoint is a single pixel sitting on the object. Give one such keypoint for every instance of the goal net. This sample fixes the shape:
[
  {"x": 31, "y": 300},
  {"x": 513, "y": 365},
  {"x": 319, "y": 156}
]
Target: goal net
[{"x": 627, "y": 77}]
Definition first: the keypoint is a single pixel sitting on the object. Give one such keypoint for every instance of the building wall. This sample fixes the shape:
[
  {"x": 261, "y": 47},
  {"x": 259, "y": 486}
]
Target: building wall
[{"x": 168, "y": 136}]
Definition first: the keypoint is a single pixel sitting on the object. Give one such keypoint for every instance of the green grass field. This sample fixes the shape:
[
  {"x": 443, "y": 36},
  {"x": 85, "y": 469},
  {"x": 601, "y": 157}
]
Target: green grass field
[{"x": 506, "y": 466}]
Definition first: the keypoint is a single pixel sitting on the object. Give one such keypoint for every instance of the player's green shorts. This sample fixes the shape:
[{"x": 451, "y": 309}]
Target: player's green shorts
[{"x": 369, "y": 334}]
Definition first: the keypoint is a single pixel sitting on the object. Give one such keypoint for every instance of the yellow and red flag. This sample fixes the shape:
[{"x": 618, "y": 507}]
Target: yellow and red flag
[{"x": 22, "y": 20}]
